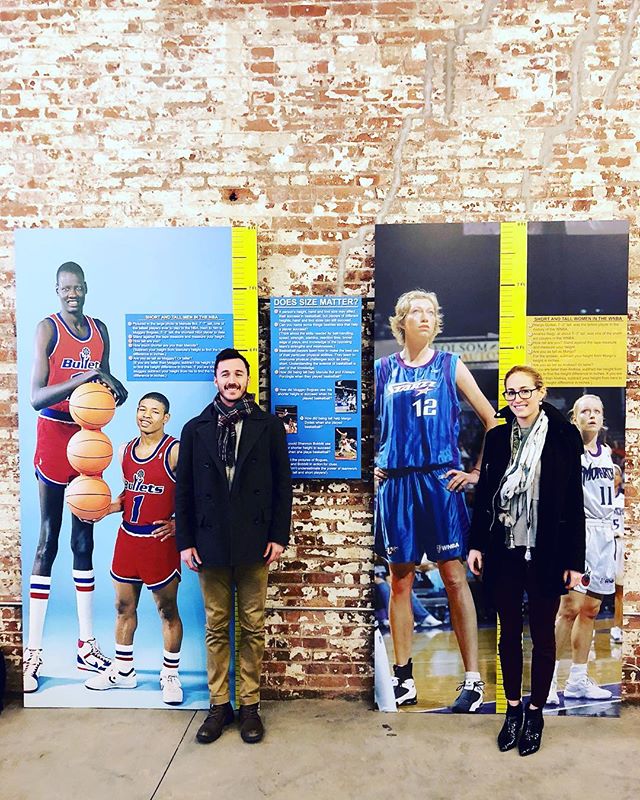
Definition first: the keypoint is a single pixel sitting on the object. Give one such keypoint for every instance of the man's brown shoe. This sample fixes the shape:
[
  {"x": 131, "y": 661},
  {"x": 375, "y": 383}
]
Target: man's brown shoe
[
  {"x": 251, "y": 727},
  {"x": 211, "y": 729}
]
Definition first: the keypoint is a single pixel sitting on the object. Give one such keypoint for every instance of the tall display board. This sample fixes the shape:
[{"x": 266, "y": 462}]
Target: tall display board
[
  {"x": 169, "y": 300},
  {"x": 552, "y": 295}
]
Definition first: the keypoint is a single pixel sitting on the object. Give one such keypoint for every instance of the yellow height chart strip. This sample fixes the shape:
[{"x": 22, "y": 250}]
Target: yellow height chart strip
[
  {"x": 512, "y": 340},
  {"x": 244, "y": 282},
  {"x": 244, "y": 270}
]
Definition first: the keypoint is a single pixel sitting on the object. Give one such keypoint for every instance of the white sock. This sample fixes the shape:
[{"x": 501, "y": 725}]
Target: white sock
[
  {"x": 39, "y": 589},
  {"x": 124, "y": 658},
  {"x": 577, "y": 672},
  {"x": 170, "y": 662},
  {"x": 85, "y": 584},
  {"x": 555, "y": 671},
  {"x": 472, "y": 676}
]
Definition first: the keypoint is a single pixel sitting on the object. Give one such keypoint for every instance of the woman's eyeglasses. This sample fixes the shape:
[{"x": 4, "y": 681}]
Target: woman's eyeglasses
[{"x": 523, "y": 394}]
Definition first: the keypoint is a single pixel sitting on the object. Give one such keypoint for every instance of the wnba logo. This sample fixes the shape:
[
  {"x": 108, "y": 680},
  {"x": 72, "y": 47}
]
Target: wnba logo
[{"x": 585, "y": 580}]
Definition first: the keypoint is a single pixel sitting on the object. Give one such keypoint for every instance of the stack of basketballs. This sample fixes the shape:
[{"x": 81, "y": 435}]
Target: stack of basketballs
[{"x": 92, "y": 406}]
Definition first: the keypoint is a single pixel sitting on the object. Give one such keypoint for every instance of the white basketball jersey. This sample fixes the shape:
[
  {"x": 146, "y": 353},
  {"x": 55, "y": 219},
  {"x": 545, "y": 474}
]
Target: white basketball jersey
[{"x": 597, "y": 483}]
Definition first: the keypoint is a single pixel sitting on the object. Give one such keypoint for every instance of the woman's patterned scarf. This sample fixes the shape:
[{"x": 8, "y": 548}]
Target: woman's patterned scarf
[{"x": 516, "y": 487}]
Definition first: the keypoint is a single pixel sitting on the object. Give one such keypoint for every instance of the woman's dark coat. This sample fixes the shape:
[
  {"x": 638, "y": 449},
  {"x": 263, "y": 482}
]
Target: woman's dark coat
[
  {"x": 232, "y": 525},
  {"x": 560, "y": 536}
]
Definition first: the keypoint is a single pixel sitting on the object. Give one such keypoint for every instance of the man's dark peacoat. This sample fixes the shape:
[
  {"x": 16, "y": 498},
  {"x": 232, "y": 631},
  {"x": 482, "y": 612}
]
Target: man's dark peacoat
[{"x": 231, "y": 525}]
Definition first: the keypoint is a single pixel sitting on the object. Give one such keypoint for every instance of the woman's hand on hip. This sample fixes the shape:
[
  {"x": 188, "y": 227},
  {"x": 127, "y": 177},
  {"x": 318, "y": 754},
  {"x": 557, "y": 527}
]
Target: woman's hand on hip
[
  {"x": 379, "y": 476},
  {"x": 474, "y": 561},
  {"x": 571, "y": 578},
  {"x": 458, "y": 479}
]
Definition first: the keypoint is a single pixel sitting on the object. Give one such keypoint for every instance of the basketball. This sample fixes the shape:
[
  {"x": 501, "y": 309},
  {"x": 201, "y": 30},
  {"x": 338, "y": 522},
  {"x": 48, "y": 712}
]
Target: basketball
[
  {"x": 92, "y": 405},
  {"x": 90, "y": 452},
  {"x": 88, "y": 497}
]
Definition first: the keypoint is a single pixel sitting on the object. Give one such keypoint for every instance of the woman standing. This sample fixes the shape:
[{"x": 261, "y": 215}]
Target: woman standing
[
  {"x": 579, "y": 609},
  {"x": 528, "y": 534},
  {"x": 420, "y": 508}
]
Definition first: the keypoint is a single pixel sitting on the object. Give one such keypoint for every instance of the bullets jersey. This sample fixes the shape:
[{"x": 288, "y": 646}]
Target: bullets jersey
[
  {"x": 71, "y": 356},
  {"x": 417, "y": 410},
  {"x": 597, "y": 483},
  {"x": 149, "y": 487}
]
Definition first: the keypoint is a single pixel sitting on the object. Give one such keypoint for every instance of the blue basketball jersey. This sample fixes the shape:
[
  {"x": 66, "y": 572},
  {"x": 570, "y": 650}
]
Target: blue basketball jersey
[{"x": 417, "y": 410}]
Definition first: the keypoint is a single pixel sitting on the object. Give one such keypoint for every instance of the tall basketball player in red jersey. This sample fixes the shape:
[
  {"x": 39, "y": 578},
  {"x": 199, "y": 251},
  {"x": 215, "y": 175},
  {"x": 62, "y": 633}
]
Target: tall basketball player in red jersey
[
  {"x": 145, "y": 551},
  {"x": 70, "y": 349}
]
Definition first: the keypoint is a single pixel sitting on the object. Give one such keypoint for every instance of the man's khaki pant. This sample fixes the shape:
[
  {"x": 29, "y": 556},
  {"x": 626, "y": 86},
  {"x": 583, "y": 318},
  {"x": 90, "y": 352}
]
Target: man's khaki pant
[{"x": 216, "y": 584}]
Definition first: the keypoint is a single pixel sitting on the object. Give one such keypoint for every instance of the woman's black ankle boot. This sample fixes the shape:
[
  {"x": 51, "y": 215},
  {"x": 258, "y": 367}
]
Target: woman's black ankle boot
[
  {"x": 508, "y": 736},
  {"x": 531, "y": 736}
]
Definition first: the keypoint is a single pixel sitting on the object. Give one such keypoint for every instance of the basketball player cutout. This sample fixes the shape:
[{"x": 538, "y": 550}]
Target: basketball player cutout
[
  {"x": 420, "y": 508},
  {"x": 579, "y": 608},
  {"x": 145, "y": 550},
  {"x": 70, "y": 349}
]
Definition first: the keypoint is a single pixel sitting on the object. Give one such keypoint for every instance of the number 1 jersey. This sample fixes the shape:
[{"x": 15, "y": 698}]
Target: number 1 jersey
[{"x": 149, "y": 486}]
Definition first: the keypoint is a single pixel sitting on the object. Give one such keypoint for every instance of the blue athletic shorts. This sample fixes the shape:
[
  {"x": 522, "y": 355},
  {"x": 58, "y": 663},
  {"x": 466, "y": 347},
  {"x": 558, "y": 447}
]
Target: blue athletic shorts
[{"x": 416, "y": 515}]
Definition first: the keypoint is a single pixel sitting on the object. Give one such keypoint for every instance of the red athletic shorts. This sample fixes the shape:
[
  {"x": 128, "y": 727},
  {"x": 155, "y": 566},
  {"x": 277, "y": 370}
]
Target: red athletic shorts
[
  {"x": 50, "y": 459},
  {"x": 143, "y": 559}
]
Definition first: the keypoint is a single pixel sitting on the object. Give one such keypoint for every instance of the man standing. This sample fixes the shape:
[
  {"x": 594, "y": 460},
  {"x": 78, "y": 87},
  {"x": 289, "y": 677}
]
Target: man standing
[
  {"x": 233, "y": 516},
  {"x": 70, "y": 349},
  {"x": 145, "y": 551}
]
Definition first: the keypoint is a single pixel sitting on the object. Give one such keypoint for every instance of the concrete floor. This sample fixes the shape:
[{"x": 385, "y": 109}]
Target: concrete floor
[{"x": 325, "y": 749}]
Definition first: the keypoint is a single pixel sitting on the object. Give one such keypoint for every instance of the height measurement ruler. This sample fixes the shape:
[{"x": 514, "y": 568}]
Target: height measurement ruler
[
  {"x": 244, "y": 282},
  {"x": 244, "y": 293},
  {"x": 512, "y": 344},
  {"x": 513, "y": 297}
]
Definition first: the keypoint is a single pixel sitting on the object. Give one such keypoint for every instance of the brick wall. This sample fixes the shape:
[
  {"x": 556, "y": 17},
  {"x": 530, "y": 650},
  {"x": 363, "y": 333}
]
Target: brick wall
[{"x": 314, "y": 121}]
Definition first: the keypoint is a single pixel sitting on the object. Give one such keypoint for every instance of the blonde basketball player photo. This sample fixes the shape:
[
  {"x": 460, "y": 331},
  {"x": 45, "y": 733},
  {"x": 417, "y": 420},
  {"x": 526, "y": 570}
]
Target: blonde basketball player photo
[{"x": 580, "y": 607}]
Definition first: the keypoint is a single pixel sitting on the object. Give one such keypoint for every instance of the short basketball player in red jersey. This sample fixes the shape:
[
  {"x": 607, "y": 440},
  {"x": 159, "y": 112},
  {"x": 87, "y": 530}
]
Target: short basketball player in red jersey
[
  {"x": 70, "y": 349},
  {"x": 145, "y": 551}
]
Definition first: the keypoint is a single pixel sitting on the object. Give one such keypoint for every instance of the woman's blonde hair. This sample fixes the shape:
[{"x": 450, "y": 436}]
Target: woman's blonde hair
[
  {"x": 574, "y": 411},
  {"x": 403, "y": 305}
]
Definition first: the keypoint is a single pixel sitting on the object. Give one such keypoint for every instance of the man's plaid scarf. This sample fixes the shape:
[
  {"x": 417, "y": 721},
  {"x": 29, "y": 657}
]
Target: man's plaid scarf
[{"x": 227, "y": 418}]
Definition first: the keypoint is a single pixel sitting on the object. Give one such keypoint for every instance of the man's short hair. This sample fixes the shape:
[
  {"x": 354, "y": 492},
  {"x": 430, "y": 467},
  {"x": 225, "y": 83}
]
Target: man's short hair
[
  {"x": 160, "y": 398},
  {"x": 70, "y": 266},
  {"x": 226, "y": 355}
]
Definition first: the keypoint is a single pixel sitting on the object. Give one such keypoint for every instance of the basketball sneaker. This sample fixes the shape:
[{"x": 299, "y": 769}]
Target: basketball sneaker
[
  {"x": 32, "y": 661},
  {"x": 171, "y": 688},
  {"x": 404, "y": 687},
  {"x": 586, "y": 688},
  {"x": 112, "y": 678},
  {"x": 615, "y": 635},
  {"x": 428, "y": 622},
  {"x": 552, "y": 697},
  {"x": 90, "y": 657},
  {"x": 470, "y": 699}
]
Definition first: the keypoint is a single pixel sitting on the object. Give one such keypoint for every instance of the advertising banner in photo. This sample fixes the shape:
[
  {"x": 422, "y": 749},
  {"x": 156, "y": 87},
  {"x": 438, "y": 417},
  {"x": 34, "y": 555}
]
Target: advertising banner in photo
[
  {"x": 143, "y": 311},
  {"x": 552, "y": 295},
  {"x": 315, "y": 382}
]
